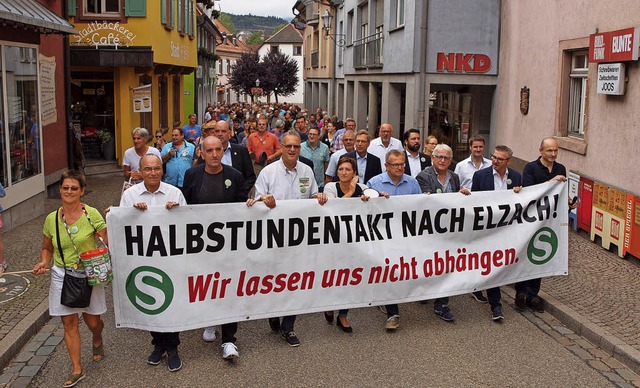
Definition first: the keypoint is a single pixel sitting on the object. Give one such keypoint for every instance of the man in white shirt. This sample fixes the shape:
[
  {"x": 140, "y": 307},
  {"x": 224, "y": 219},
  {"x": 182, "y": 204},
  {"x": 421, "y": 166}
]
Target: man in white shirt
[
  {"x": 466, "y": 168},
  {"x": 416, "y": 161},
  {"x": 349, "y": 141},
  {"x": 153, "y": 192},
  {"x": 385, "y": 143},
  {"x": 286, "y": 179}
]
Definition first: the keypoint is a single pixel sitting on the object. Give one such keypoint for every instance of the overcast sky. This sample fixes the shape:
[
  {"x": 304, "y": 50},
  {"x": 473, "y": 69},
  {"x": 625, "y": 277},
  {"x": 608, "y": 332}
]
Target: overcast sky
[{"x": 281, "y": 8}]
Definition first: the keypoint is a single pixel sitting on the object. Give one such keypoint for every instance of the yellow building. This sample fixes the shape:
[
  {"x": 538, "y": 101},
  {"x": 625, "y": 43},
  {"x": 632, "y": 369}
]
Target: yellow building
[{"x": 127, "y": 68}]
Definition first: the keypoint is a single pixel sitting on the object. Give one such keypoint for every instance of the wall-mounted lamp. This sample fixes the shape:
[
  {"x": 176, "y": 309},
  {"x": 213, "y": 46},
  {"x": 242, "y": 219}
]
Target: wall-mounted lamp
[{"x": 327, "y": 18}]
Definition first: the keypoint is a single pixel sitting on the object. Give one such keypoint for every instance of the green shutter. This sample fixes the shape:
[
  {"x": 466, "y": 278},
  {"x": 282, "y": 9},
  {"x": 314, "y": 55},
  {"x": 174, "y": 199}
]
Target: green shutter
[
  {"x": 191, "y": 16},
  {"x": 173, "y": 13},
  {"x": 135, "y": 8},
  {"x": 163, "y": 11},
  {"x": 71, "y": 7}
]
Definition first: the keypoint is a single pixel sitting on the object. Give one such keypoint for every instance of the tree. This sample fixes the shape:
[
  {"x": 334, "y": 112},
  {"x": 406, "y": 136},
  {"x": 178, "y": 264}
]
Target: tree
[
  {"x": 255, "y": 38},
  {"x": 245, "y": 72},
  {"x": 226, "y": 20},
  {"x": 280, "y": 74}
]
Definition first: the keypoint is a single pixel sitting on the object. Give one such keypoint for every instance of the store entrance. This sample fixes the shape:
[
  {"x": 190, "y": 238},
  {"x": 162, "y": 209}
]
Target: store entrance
[
  {"x": 457, "y": 112},
  {"x": 92, "y": 117}
]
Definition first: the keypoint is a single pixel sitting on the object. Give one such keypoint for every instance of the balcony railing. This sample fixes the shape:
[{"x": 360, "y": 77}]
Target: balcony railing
[
  {"x": 314, "y": 59},
  {"x": 367, "y": 52}
]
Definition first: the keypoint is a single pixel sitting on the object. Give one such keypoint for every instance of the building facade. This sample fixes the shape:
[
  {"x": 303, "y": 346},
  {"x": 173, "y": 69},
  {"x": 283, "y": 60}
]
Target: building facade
[
  {"x": 229, "y": 49},
  {"x": 431, "y": 65},
  {"x": 34, "y": 141},
  {"x": 128, "y": 64}
]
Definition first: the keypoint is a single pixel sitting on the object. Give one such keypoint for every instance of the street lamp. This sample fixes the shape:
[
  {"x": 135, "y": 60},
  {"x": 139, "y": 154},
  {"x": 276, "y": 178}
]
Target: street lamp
[{"x": 327, "y": 19}]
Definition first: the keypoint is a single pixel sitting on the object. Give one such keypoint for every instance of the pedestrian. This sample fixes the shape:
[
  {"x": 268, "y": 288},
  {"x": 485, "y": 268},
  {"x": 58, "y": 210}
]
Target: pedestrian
[
  {"x": 152, "y": 192},
  {"x": 216, "y": 182},
  {"x": 384, "y": 143},
  {"x": 264, "y": 146},
  {"x": 429, "y": 144},
  {"x": 349, "y": 141},
  {"x": 131, "y": 159},
  {"x": 160, "y": 141},
  {"x": 318, "y": 153},
  {"x": 368, "y": 164},
  {"x": 69, "y": 230},
  {"x": 192, "y": 131},
  {"x": 346, "y": 187},
  {"x": 286, "y": 179},
  {"x": 302, "y": 126},
  {"x": 416, "y": 160},
  {"x": 329, "y": 134},
  {"x": 543, "y": 169},
  {"x": 178, "y": 156},
  {"x": 497, "y": 177},
  {"x": 393, "y": 182}
]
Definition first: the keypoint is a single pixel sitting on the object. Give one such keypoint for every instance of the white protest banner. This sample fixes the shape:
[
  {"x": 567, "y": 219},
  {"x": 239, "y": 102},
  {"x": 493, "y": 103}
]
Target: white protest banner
[{"x": 196, "y": 266}]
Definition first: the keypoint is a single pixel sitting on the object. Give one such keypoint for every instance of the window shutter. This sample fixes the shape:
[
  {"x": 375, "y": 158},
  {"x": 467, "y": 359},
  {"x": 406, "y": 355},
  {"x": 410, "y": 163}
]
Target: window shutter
[
  {"x": 135, "y": 8},
  {"x": 191, "y": 17},
  {"x": 163, "y": 11},
  {"x": 172, "y": 5},
  {"x": 71, "y": 7}
]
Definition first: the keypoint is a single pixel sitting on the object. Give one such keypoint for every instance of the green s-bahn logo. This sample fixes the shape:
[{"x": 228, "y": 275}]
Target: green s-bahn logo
[
  {"x": 149, "y": 289},
  {"x": 542, "y": 246}
]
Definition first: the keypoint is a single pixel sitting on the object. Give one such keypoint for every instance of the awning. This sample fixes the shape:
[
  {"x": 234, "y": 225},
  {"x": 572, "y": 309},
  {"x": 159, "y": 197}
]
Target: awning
[{"x": 35, "y": 15}]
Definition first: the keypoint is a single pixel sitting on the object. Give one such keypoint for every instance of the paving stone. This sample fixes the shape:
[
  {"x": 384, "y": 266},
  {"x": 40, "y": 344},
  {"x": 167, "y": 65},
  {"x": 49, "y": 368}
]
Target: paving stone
[
  {"x": 563, "y": 330},
  {"x": 38, "y": 360},
  {"x": 599, "y": 353},
  {"x": 41, "y": 337},
  {"x": 21, "y": 382},
  {"x": 578, "y": 351},
  {"x": 32, "y": 346},
  {"x": 14, "y": 367},
  {"x": 6, "y": 377},
  {"x": 627, "y": 374},
  {"x": 564, "y": 341},
  {"x": 53, "y": 341},
  {"x": 614, "y": 377},
  {"x": 584, "y": 344},
  {"x": 30, "y": 370},
  {"x": 599, "y": 365},
  {"x": 23, "y": 356},
  {"x": 45, "y": 350},
  {"x": 624, "y": 385}
]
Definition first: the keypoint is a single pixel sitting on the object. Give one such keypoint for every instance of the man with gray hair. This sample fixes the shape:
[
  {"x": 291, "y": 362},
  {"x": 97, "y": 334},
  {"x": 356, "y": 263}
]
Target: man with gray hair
[
  {"x": 385, "y": 143},
  {"x": 437, "y": 178},
  {"x": 132, "y": 156}
]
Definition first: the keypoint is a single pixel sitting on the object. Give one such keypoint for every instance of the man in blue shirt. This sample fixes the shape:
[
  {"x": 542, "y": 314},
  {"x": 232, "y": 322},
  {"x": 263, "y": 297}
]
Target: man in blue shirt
[
  {"x": 178, "y": 156},
  {"x": 394, "y": 182},
  {"x": 318, "y": 152},
  {"x": 192, "y": 131}
]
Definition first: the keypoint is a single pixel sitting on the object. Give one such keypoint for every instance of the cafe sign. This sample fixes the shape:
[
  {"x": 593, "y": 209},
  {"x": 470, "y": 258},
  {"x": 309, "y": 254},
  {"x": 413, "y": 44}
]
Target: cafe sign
[{"x": 105, "y": 34}]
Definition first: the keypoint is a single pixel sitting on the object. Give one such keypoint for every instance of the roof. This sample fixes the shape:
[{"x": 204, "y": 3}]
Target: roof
[
  {"x": 288, "y": 34},
  {"x": 33, "y": 14},
  {"x": 226, "y": 44}
]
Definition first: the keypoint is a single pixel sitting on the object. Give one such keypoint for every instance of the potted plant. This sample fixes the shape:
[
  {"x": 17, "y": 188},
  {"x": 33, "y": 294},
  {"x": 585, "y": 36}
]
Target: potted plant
[{"x": 108, "y": 144}]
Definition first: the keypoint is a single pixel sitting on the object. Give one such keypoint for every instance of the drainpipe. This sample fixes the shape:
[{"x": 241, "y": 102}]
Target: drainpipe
[
  {"x": 67, "y": 90},
  {"x": 423, "y": 110}
]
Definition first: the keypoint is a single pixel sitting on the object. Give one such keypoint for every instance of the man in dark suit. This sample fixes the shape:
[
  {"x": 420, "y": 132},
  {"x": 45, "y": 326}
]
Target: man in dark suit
[
  {"x": 235, "y": 155},
  {"x": 215, "y": 182},
  {"x": 368, "y": 164},
  {"x": 416, "y": 161},
  {"x": 497, "y": 177}
]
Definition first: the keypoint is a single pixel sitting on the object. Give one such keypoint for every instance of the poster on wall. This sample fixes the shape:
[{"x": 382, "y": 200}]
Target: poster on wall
[
  {"x": 48, "y": 111},
  {"x": 142, "y": 99}
]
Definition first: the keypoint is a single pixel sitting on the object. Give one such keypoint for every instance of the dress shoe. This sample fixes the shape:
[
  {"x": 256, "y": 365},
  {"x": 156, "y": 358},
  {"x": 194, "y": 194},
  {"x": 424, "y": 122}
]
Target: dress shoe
[
  {"x": 347, "y": 328},
  {"x": 328, "y": 315}
]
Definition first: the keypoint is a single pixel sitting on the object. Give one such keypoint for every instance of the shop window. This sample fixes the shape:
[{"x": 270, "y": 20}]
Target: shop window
[
  {"x": 577, "y": 94},
  {"x": 19, "y": 115}
]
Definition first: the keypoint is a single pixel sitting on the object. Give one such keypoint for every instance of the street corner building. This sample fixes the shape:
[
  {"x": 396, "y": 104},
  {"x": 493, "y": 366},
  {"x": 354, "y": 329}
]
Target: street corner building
[{"x": 128, "y": 63}]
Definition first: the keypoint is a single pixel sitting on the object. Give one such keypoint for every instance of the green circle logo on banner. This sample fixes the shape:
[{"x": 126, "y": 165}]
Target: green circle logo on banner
[
  {"x": 542, "y": 246},
  {"x": 149, "y": 289}
]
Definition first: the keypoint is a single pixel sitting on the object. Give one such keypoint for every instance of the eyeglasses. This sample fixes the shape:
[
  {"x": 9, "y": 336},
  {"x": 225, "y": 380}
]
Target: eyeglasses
[
  {"x": 158, "y": 137},
  {"x": 291, "y": 146},
  {"x": 396, "y": 165},
  {"x": 72, "y": 188},
  {"x": 497, "y": 159},
  {"x": 442, "y": 158},
  {"x": 149, "y": 169}
]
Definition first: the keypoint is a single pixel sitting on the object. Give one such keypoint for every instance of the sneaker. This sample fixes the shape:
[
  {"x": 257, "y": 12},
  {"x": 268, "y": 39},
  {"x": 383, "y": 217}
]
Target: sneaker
[
  {"x": 444, "y": 313},
  {"x": 274, "y": 324},
  {"x": 383, "y": 309},
  {"x": 155, "y": 356},
  {"x": 3, "y": 267},
  {"x": 173, "y": 360},
  {"x": 496, "y": 314},
  {"x": 392, "y": 323},
  {"x": 477, "y": 295},
  {"x": 291, "y": 338},
  {"x": 229, "y": 351},
  {"x": 520, "y": 300},
  {"x": 209, "y": 334},
  {"x": 536, "y": 304}
]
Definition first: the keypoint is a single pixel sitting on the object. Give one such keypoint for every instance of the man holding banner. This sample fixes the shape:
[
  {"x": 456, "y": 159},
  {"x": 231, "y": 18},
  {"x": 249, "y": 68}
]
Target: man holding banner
[
  {"x": 214, "y": 182},
  {"x": 153, "y": 192},
  {"x": 394, "y": 182},
  {"x": 282, "y": 180},
  {"x": 497, "y": 177}
]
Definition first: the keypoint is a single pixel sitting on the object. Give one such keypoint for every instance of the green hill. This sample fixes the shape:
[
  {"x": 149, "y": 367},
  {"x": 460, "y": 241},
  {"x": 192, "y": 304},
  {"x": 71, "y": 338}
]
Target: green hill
[{"x": 252, "y": 23}]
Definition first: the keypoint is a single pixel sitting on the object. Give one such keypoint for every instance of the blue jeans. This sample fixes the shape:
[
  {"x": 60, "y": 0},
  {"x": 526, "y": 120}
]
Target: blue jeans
[
  {"x": 529, "y": 287},
  {"x": 494, "y": 296}
]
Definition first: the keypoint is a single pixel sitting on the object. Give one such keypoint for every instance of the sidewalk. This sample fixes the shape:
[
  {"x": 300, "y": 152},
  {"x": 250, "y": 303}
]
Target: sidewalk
[{"x": 598, "y": 300}]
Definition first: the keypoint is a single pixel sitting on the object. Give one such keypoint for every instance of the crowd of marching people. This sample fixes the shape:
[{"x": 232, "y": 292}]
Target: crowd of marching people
[{"x": 270, "y": 153}]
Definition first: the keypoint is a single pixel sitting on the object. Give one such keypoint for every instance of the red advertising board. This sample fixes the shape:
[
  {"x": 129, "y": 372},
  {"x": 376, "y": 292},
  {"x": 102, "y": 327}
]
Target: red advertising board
[
  {"x": 585, "y": 193},
  {"x": 614, "y": 46},
  {"x": 632, "y": 226}
]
